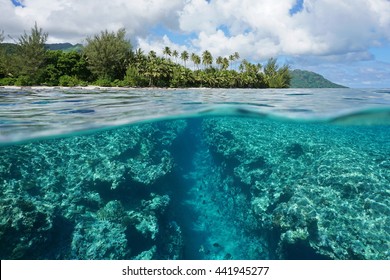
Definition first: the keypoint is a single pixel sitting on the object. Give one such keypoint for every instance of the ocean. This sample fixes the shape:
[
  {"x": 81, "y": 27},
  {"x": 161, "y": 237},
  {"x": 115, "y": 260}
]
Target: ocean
[{"x": 201, "y": 174}]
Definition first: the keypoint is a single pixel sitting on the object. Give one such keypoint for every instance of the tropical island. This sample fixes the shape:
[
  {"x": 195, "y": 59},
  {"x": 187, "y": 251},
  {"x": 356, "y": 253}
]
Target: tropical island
[{"x": 108, "y": 60}]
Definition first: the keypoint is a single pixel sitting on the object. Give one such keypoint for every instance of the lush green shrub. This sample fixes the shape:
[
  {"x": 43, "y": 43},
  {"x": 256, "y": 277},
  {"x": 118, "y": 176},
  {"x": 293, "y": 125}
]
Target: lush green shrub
[
  {"x": 7, "y": 81},
  {"x": 24, "y": 81},
  {"x": 117, "y": 83},
  {"x": 103, "y": 83},
  {"x": 134, "y": 78},
  {"x": 68, "y": 81}
]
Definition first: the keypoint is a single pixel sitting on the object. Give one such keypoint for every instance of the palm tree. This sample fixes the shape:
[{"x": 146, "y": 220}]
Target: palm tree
[
  {"x": 232, "y": 58},
  {"x": 219, "y": 61},
  {"x": 236, "y": 56},
  {"x": 167, "y": 52},
  {"x": 207, "y": 58},
  {"x": 225, "y": 63},
  {"x": 197, "y": 61},
  {"x": 175, "y": 54},
  {"x": 276, "y": 77},
  {"x": 139, "y": 53},
  {"x": 193, "y": 59},
  {"x": 139, "y": 58},
  {"x": 152, "y": 55},
  {"x": 184, "y": 56}
]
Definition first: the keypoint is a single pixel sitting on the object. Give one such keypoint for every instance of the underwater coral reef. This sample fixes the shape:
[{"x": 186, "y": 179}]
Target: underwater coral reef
[{"x": 199, "y": 188}]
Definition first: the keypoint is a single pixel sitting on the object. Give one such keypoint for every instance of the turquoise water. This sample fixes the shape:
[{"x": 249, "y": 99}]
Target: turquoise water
[{"x": 194, "y": 174}]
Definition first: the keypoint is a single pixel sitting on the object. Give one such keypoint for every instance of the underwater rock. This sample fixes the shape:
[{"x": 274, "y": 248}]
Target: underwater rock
[
  {"x": 26, "y": 229},
  {"x": 145, "y": 224},
  {"x": 99, "y": 240},
  {"x": 172, "y": 242},
  {"x": 113, "y": 211},
  {"x": 147, "y": 255},
  {"x": 294, "y": 150},
  {"x": 146, "y": 217}
]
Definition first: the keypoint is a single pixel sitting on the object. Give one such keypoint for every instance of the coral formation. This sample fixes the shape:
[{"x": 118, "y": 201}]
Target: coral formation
[
  {"x": 321, "y": 191},
  {"x": 95, "y": 186}
]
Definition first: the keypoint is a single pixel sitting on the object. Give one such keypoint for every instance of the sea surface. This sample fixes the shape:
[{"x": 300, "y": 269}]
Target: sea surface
[{"x": 91, "y": 173}]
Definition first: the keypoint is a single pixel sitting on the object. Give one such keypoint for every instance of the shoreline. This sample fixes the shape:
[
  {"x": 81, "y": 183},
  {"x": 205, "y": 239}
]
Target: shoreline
[{"x": 92, "y": 87}]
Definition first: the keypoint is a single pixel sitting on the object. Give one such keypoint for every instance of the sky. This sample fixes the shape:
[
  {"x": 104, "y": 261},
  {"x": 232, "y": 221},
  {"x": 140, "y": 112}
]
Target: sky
[{"x": 348, "y": 42}]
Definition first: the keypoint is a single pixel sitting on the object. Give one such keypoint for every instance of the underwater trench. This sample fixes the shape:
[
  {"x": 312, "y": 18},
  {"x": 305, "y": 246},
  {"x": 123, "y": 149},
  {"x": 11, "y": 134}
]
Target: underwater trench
[
  {"x": 207, "y": 203},
  {"x": 213, "y": 208},
  {"x": 184, "y": 151}
]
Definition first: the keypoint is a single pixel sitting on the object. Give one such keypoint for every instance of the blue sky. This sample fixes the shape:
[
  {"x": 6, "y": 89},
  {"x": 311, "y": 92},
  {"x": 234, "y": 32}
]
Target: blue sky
[
  {"x": 17, "y": 3},
  {"x": 347, "y": 41}
]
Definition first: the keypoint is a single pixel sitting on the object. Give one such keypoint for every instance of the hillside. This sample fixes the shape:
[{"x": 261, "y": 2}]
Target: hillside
[
  {"x": 307, "y": 79},
  {"x": 10, "y": 48},
  {"x": 67, "y": 47}
]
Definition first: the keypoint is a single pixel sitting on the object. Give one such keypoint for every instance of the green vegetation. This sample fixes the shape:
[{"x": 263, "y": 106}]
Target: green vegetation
[
  {"x": 2, "y": 54},
  {"x": 66, "y": 47},
  {"x": 108, "y": 59},
  {"x": 30, "y": 56},
  {"x": 307, "y": 79},
  {"x": 108, "y": 54}
]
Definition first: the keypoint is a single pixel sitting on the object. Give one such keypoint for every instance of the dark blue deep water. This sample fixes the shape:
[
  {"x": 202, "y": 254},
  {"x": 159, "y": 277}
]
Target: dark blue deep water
[{"x": 194, "y": 174}]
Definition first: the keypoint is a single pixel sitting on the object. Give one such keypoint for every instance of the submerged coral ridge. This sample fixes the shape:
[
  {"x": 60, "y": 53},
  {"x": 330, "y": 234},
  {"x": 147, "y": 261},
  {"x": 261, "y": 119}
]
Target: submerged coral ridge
[
  {"x": 320, "y": 191},
  {"x": 199, "y": 188},
  {"x": 87, "y": 197}
]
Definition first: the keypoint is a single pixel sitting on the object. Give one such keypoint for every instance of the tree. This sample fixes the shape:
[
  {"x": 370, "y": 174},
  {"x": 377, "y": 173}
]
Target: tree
[
  {"x": 139, "y": 59},
  {"x": 60, "y": 64},
  {"x": 207, "y": 58},
  {"x": 232, "y": 58},
  {"x": 167, "y": 52},
  {"x": 2, "y": 55},
  {"x": 193, "y": 59},
  {"x": 196, "y": 60},
  {"x": 184, "y": 56},
  {"x": 236, "y": 56},
  {"x": 152, "y": 55},
  {"x": 219, "y": 61},
  {"x": 51, "y": 74},
  {"x": 284, "y": 77},
  {"x": 31, "y": 54},
  {"x": 276, "y": 77},
  {"x": 181, "y": 77},
  {"x": 225, "y": 63},
  {"x": 175, "y": 54},
  {"x": 108, "y": 54}
]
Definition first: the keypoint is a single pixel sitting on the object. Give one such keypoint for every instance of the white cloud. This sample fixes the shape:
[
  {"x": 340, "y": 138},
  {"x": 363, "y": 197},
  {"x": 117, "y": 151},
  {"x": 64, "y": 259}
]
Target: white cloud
[
  {"x": 258, "y": 28},
  {"x": 73, "y": 20},
  {"x": 147, "y": 44},
  {"x": 326, "y": 27}
]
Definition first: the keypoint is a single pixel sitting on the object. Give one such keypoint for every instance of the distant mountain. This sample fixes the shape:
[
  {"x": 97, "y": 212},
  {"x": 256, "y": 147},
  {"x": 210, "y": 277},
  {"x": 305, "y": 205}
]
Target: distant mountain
[
  {"x": 9, "y": 48},
  {"x": 66, "y": 47},
  {"x": 308, "y": 79}
]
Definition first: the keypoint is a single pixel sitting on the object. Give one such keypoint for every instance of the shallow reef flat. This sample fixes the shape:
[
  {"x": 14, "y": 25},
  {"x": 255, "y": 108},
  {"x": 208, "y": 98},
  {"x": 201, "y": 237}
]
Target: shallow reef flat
[
  {"x": 199, "y": 188},
  {"x": 306, "y": 191}
]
